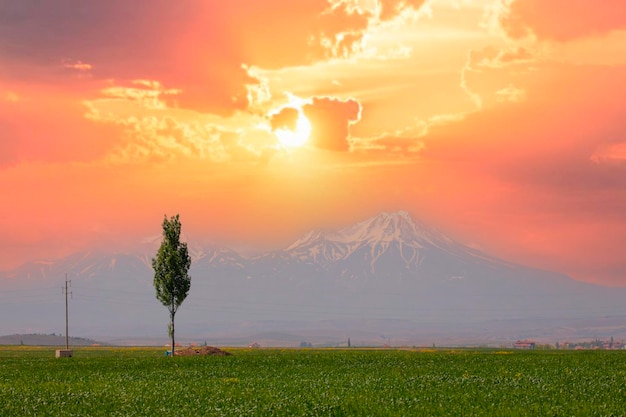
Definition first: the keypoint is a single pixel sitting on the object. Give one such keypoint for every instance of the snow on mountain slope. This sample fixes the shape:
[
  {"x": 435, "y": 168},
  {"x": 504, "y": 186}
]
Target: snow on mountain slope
[{"x": 394, "y": 235}]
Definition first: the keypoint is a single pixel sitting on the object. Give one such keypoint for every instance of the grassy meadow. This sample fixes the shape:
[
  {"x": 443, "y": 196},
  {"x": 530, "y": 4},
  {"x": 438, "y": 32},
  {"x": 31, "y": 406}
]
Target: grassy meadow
[{"x": 312, "y": 382}]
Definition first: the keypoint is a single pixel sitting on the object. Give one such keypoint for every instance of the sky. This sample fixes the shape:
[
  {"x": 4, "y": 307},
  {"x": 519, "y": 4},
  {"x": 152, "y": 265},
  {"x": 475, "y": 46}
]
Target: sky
[{"x": 501, "y": 122}]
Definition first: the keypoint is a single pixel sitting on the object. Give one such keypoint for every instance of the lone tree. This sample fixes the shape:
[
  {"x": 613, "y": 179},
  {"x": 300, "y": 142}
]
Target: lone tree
[{"x": 171, "y": 280}]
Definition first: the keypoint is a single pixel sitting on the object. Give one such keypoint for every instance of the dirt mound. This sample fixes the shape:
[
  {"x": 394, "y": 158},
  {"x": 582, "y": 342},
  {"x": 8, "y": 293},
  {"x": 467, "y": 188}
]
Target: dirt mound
[{"x": 202, "y": 351}]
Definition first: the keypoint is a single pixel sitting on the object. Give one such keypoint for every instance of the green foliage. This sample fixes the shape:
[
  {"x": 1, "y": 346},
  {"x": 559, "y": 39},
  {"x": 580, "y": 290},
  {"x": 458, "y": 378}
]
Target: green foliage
[
  {"x": 310, "y": 382},
  {"x": 171, "y": 266}
]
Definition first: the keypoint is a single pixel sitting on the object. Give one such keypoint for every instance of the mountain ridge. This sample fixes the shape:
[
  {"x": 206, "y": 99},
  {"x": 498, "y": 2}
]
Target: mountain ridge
[
  {"x": 378, "y": 233},
  {"x": 36, "y": 339},
  {"x": 388, "y": 267}
]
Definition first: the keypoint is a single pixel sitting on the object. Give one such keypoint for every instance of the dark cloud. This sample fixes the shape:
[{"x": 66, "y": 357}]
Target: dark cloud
[
  {"x": 287, "y": 118},
  {"x": 330, "y": 120},
  {"x": 195, "y": 45},
  {"x": 124, "y": 40}
]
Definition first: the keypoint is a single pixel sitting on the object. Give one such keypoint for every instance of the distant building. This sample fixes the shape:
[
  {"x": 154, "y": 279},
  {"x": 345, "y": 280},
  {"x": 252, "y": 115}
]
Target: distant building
[{"x": 524, "y": 344}]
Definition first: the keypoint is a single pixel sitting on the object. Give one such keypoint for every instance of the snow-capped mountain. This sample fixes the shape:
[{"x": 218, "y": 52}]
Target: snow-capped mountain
[
  {"x": 389, "y": 267},
  {"x": 388, "y": 244},
  {"x": 385, "y": 228}
]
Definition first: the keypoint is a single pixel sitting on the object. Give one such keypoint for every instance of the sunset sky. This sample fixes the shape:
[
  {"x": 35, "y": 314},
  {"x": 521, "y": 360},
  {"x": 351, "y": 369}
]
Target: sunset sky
[{"x": 501, "y": 122}]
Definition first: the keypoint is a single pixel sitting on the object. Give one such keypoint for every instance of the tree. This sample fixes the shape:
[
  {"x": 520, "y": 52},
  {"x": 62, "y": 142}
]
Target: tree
[{"x": 172, "y": 262}]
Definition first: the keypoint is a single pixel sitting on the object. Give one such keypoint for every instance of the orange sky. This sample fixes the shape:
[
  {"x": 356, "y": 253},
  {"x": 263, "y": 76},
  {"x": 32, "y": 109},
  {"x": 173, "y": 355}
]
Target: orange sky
[{"x": 502, "y": 122}]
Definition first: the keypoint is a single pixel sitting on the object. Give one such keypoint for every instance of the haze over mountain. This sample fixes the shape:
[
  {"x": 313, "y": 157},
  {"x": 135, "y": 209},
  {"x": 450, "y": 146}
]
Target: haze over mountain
[{"x": 386, "y": 278}]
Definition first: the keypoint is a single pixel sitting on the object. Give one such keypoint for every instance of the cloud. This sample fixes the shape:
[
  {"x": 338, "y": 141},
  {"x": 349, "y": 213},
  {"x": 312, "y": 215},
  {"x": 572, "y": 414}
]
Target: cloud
[
  {"x": 204, "y": 48},
  {"x": 510, "y": 93},
  {"x": 547, "y": 172},
  {"x": 161, "y": 139},
  {"x": 148, "y": 93},
  {"x": 158, "y": 138},
  {"x": 330, "y": 120},
  {"x": 389, "y": 9},
  {"x": 610, "y": 153},
  {"x": 152, "y": 131},
  {"x": 197, "y": 46},
  {"x": 490, "y": 57},
  {"x": 568, "y": 119},
  {"x": 286, "y": 118},
  {"x": 77, "y": 66},
  {"x": 49, "y": 129},
  {"x": 493, "y": 75},
  {"x": 545, "y": 142},
  {"x": 563, "y": 20},
  {"x": 396, "y": 145}
]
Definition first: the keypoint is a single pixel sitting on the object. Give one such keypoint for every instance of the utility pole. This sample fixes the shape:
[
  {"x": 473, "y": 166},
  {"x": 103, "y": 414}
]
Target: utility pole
[
  {"x": 67, "y": 321},
  {"x": 67, "y": 353}
]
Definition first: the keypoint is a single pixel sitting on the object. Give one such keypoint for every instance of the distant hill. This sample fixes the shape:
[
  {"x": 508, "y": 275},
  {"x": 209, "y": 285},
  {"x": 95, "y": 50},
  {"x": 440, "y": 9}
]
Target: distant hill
[{"x": 45, "y": 340}]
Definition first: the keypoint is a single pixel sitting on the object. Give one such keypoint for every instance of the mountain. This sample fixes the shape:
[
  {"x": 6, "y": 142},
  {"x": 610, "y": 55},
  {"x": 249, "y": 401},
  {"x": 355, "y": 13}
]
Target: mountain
[
  {"x": 389, "y": 274},
  {"x": 389, "y": 247},
  {"x": 45, "y": 340}
]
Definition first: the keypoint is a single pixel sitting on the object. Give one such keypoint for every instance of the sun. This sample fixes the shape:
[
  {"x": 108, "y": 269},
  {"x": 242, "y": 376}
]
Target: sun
[{"x": 297, "y": 137}]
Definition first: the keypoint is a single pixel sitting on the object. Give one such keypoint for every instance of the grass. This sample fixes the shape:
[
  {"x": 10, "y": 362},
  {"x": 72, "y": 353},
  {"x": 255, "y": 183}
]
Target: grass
[{"x": 309, "y": 382}]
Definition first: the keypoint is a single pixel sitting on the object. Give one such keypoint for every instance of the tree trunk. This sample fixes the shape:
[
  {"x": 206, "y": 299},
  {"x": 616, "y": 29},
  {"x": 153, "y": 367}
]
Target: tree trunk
[{"x": 173, "y": 344}]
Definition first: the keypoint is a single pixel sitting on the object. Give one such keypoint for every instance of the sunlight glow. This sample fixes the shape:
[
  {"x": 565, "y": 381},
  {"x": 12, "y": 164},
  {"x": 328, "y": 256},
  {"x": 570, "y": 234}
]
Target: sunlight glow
[{"x": 297, "y": 137}]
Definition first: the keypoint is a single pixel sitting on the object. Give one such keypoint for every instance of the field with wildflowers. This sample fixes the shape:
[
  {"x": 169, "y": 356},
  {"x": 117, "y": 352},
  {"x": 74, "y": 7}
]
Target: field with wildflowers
[{"x": 311, "y": 382}]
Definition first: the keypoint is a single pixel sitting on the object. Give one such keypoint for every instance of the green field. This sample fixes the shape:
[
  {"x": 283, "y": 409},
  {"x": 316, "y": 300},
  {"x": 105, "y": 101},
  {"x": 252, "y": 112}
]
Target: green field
[{"x": 274, "y": 382}]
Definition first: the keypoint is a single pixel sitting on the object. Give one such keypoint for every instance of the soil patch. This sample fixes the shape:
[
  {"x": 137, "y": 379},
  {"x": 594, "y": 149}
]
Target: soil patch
[{"x": 202, "y": 351}]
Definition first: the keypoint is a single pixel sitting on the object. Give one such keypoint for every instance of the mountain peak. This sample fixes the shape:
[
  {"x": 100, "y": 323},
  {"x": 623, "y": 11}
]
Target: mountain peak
[
  {"x": 382, "y": 228},
  {"x": 396, "y": 226},
  {"x": 396, "y": 214}
]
